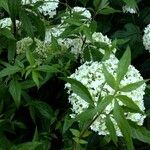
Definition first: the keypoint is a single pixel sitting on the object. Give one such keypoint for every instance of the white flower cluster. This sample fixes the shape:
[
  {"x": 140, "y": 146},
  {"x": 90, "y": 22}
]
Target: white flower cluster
[
  {"x": 7, "y": 23},
  {"x": 91, "y": 75},
  {"x": 84, "y": 11},
  {"x": 76, "y": 44},
  {"x": 41, "y": 49},
  {"x": 99, "y": 37},
  {"x": 128, "y": 9},
  {"x": 47, "y": 9},
  {"x": 23, "y": 45},
  {"x": 146, "y": 38}
]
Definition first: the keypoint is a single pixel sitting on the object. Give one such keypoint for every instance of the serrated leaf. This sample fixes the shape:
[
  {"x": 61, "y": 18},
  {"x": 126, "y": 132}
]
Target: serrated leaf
[
  {"x": 111, "y": 129},
  {"x": 79, "y": 89},
  {"x": 109, "y": 78},
  {"x": 15, "y": 91},
  {"x": 132, "y": 86},
  {"x": 9, "y": 71},
  {"x": 123, "y": 125},
  {"x": 129, "y": 102},
  {"x": 123, "y": 65}
]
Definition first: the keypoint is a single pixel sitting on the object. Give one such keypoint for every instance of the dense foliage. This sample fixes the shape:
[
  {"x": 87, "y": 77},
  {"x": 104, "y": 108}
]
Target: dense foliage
[{"x": 64, "y": 84}]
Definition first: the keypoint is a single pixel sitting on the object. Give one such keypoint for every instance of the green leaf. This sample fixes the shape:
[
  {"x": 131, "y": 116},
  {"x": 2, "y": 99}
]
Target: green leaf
[
  {"x": 27, "y": 84},
  {"x": 4, "y": 5},
  {"x": 103, "y": 4},
  {"x": 123, "y": 65},
  {"x": 9, "y": 71},
  {"x": 67, "y": 123},
  {"x": 103, "y": 103},
  {"x": 131, "y": 3},
  {"x": 96, "y": 3},
  {"x": 75, "y": 132},
  {"x": 35, "y": 77},
  {"x": 86, "y": 54},
  {"x": 54, "y": 44},
  {"x": 26, "y": 23},
  {"x": 108, "y": 10},
  {"x": 15, "y": 91},
  {"x": 79, "y": 89},
  {"x": 7, "y": 33},
  {"x": 109, "y": 78},
  {"x": 96, "y": 54},
  {"x": 86, "y": 115},
  {"x": 11, "y": 50},
  {"x": 74, "y": 21},
  {"x": 132, "y": 86},
  {"x": 36, "y": 136},
  {"x": 82, "y": 141},
  {"x": 111, "y": 129},
  {"x": 129, "y": 103},
  {"x": 140, "y": 133},
  {"x": 14, "y": 8},
  {"x": 87, "y": 32},
  {"x": 27, "y": 146},
  {"x": 49, "y": 69},
  {"x": 44, "y": 109},
  {"x": 133, "y": 34},
  {"x": 30, "y": 57},
  {"x": 123, "y": 125}
]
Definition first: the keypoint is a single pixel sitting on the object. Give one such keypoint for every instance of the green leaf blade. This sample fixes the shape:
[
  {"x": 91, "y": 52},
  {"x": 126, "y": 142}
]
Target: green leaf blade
[
  {"x": 132, "y": 86},
  {"x": 111, "y": 129},
  {"x": 123, "y": 65},
  {"x": 79, "y": 89},
  {"x": 9, "y": 71},
  {"x": 123, "y": 125},
  {"x": 15, "y": 91}
]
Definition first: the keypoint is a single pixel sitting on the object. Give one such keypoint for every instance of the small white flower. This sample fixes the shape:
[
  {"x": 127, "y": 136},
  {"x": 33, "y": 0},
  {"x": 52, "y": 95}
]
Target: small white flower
[
  {"x": 146, "y": 38},
  {"x": 91, "y": 75},
  {"x": 7, "y": 23},
  {"x": 128, "y": 9},
  {"x": 41, "y": 48},
  {"x": 47, "y": 9}
]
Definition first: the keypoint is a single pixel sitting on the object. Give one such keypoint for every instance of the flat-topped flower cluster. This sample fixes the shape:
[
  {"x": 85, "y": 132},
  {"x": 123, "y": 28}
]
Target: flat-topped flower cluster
[{"x": 91, "y": 75}]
